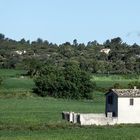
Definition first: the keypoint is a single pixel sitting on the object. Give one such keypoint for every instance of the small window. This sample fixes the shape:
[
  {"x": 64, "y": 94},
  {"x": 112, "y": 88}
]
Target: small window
[
  {"x": 110, "y": 100},
  {"x": 131, "y": 101}
]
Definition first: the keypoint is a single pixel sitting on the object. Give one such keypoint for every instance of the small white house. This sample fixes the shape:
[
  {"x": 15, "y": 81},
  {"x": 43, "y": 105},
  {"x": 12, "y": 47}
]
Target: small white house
[
  {"x": 20, "y": 52},
  {"x": 106, "y": 50},
  {"x": 122, "y": 107},
  {"x": 124, "y": 104}
]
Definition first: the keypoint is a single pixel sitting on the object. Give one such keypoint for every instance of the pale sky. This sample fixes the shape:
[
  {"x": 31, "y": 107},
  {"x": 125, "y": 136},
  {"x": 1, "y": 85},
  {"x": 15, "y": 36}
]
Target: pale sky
[{"x": 64, "y": 20}]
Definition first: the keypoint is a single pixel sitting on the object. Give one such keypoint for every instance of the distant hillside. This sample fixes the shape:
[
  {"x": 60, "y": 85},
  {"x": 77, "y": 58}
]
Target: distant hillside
[{"x": 113, "y": 56}]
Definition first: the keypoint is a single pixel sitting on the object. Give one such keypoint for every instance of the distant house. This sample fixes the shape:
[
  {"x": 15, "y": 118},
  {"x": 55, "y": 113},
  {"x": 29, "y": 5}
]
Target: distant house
[
  {"x": 124, "y": 104},
  {"x": 138, "y": 56},
  {"x": 106, "y": 51},
  {"x": 122, "y": 107},
  {"x": 20, "y": 52}
]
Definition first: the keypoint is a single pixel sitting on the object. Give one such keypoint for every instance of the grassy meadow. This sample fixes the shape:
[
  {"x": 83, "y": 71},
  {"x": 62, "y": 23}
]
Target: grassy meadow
[
  {"x": 107, "y": 81},
  {"x": 24, "y": 116},
  {"x": 38, "y": 111},
  {"x": 75, "y": 133},
  {"x": 15, "y": 83},
  {"x": 37, "y": 118}
]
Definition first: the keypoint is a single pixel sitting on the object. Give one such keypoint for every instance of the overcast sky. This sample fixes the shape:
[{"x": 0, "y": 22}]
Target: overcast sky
[{"x": 64, "y": 20}]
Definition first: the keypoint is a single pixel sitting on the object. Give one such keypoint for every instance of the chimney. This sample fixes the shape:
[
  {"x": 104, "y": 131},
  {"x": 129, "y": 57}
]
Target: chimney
[{"x": 135, "y": 88}]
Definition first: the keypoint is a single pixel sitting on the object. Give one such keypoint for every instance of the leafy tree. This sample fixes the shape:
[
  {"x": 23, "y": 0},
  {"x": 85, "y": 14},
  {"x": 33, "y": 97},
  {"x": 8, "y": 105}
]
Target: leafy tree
[
  {"x": 1, "y": 80},
  {"x": 119, "y": 67},
  {"x": 117, "y": 86},
  {"x": 75, "y": 43},
  {"x": 67, "y": 82},
  {"x": 116, "y": 40},
  {"x": 133, "y": 84},
  {"x": 32, "y": 66},
  {"x": 2, "y": 37}
]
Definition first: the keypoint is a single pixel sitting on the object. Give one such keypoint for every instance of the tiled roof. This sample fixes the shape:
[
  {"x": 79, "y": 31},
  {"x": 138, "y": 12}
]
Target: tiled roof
[{"x": 127, "y": 92}]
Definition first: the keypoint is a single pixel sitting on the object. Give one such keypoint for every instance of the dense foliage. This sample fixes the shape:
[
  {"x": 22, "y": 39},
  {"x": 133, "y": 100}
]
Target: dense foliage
[
  {"x": 68, "y": 82},
  {"x": 122, "y": 58},
  {"x": 134, "y": 84},
  {"x": 1, "y": 80}
]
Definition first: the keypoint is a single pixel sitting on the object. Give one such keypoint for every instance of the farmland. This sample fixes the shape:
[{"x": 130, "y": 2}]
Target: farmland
[
  {"x": 75, "y": 133},
  {"x": 107, "y": 81},
  {"x": 38, "y": 118},
  {"x": 25, "y": 116}
]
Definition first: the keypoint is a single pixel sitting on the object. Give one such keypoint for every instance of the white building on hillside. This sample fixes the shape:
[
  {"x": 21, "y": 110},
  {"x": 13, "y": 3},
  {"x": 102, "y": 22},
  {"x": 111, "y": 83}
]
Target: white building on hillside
[
  {"x": 106, "y": 51},
  {"x": 20, "y": 52}
]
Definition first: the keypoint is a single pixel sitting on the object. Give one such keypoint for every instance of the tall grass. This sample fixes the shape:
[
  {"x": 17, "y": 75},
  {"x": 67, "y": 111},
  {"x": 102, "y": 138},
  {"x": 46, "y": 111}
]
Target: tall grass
[
  {"x": 75, "y": 133},
  {"x": 38, "y": 111},
  {"x": 11, "y": 73},
  {"x": 17, "y": 83},
  {"x": 107, "y": 81},
  {"x": 116, "y": 77},
  {"x": 14, "y": 83}
]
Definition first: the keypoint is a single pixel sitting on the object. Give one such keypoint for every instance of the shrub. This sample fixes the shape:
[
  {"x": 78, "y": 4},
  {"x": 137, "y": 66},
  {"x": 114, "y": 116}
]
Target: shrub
[
  {"x": 67, "y": 82},
  {"x": 117, "y": 86},
  {"x": 133, "y": 84},
  {"x": 1, "y": 80}
]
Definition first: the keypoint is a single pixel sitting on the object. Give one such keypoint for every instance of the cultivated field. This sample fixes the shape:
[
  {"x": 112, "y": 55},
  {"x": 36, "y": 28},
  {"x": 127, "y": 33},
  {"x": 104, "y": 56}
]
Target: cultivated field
[
  {"x": 75, "y": 133},
  {"x": 24, "y": 116},
  {"x": 107, "y": 81}
]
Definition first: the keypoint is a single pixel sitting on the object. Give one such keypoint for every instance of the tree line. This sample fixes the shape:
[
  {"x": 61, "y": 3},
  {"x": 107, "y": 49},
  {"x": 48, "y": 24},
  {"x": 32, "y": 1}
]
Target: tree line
[{"x": 24, "y": 54}]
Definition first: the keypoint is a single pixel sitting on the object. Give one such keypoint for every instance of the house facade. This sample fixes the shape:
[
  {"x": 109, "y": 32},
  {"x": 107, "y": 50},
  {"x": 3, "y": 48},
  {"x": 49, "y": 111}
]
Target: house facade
[
  {"x": 106, "y": 50},
  {"x": 124, "y": 105}
]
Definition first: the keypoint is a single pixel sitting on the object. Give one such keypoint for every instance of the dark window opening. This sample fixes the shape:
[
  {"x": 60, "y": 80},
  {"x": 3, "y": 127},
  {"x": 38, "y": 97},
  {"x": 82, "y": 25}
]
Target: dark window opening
[
  {"x": 131, "y": 101},
  {"x": 114, "y": 114},
  {"x": 110, "y": 100}
]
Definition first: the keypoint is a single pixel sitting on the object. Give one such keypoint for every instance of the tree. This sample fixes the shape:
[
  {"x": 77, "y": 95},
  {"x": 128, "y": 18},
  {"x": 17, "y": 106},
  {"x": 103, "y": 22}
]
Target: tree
[
  {"x": 1, "y": 80},
  {"x": 116, "y": 40},
  {"x": 32, "y": 66},
  {"x": 39, "y": 41},
  {"x": 133, "y": 84},
  {"x": 75, "y": 43},
  {"x": 22, "y": 41},
  {"x": 67, "y": 82},
  {"x": 92, "y": 43},
  {"x": 119, "y": 67},
  {"x": 2, "y": 37}
]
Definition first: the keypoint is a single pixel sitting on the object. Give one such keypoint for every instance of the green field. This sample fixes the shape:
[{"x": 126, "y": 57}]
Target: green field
[
  {"x": 11, "y": 72},
  {"x": 75, "y": 133},
  {"x": 32, "y": 118},
  {"x": 15, "y": 83},
  {"x": 37, "y": 118},
  {"x": 39, "y": 111},
  {"x": 107, "y": 81}
]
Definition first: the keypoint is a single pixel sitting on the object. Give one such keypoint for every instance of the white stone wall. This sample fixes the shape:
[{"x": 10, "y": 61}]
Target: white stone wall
[
  {"x": 128, "y": 113},
  {"x": 96, "y": 119},
  {"x": 89, "y": 119},
  {"x": 93, "y": 119}
]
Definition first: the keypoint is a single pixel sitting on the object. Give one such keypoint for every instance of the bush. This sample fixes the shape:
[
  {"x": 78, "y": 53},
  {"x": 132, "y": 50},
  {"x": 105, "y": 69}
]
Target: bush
[
  {"x": 1, "y": 80},
  {"x": 68, "y": 82},
  {"x": 117, "y": 86},
  {"x": 133, "y": 84}
]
